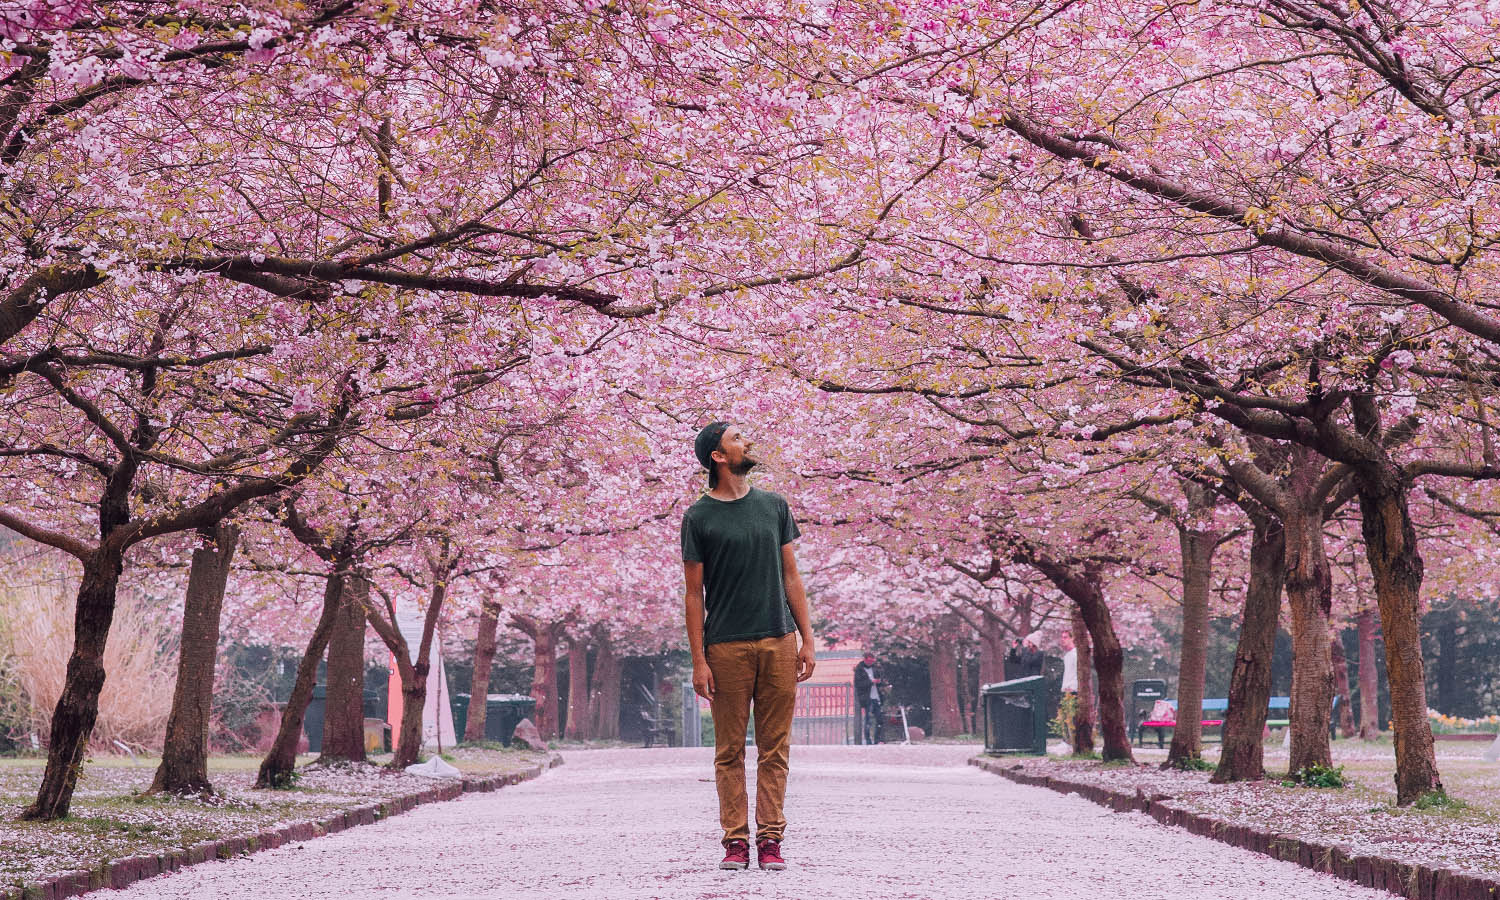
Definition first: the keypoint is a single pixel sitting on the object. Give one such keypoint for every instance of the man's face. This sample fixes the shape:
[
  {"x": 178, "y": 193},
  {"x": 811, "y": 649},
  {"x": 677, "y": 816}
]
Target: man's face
[
  {"x": 869, "y": 659},
  {"x": 734, "y": 450}
]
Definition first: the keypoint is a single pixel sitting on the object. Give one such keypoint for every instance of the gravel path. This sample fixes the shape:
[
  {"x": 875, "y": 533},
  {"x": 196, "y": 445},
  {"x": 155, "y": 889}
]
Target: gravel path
[{"x": 866, "y": 822}]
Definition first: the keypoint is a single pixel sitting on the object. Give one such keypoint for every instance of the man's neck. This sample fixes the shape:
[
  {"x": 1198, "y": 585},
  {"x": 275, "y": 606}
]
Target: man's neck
[{"x": 731, "y": 487}]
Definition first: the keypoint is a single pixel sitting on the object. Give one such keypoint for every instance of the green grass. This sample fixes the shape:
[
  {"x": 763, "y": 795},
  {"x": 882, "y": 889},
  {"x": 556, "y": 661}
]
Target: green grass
[{"x": 1439, "y": 801}]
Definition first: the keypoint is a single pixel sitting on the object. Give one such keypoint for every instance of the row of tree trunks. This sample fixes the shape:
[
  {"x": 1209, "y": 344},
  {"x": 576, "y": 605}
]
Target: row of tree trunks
[
  {"x": 1083, "y": 711},
  {"x": 1242, "y": 754},
  {"x": 184, "y": 755}
]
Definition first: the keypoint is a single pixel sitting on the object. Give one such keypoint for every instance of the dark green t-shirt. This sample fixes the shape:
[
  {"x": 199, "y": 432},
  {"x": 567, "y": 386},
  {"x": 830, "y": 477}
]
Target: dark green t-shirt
[{"x": 739, "y": 543}]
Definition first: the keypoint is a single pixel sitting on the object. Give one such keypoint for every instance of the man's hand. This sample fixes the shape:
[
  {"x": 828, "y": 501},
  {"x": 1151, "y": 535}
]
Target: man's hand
[
  {"x": 703, "y": 680},
  {"x": 807, "y": 660}
]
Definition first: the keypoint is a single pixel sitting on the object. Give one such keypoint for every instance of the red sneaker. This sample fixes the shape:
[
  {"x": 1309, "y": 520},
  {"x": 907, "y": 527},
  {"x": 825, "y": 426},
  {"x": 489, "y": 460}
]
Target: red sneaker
[
  {"x": 736, "y": 855},
  {"x": 768, "y": 854}
]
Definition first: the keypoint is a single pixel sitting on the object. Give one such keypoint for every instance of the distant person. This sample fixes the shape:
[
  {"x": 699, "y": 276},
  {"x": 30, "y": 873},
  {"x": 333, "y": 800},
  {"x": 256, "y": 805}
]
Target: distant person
[
  {"x": 1030, "y": 657},
  {"x": 744, "y": 601},
  {"x": 1013, "y": 661},
  {"x": 1070, "y": 666},
  {"x": 867, "y": 685}
]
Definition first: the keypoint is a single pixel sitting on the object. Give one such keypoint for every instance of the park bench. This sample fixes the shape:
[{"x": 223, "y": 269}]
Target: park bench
[{"x": 1213, "y": 725}]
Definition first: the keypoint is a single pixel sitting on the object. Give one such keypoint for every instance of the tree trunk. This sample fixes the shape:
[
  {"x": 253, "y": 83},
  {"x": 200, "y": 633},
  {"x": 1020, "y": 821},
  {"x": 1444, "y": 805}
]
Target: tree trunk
[
  {"x": 1309, "y": 590},
  {"x": 576, "y": 728},
  {"x": 544, "y": 670},
  {"x": 1197, "y": 548},
  {"x": 1341, "y": 687},
  {"x": 344, "y": 714},
  {"x": 184, "y": 755},
  {"x": 1080, "y": 582},
  {"x": 604, "y": 690},
  {"x": 1369, "y": 678},
  {"x": 991, "y": 650},
  {"x": 544, "y": 682},
  {"x": 965, "y": 704},
  {"x": 78, "y": 707},
  {"x": 413, "y": 708},
  {"x": 1083, "y": 711},
  {"x": 1396, "y": 563},
  {"x": 484, "y": 660},
  {"x": 413, "y": 668},
  {"x": 942, "y": 671},
  {"x": 1242, "y": 756},
  {"x": 281, "y": 759}
]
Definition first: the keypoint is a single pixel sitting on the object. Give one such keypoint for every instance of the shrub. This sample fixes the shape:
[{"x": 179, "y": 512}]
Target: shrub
[
  {"x": 36, "y": 637},
  {"x": 1317, "y": 776}
]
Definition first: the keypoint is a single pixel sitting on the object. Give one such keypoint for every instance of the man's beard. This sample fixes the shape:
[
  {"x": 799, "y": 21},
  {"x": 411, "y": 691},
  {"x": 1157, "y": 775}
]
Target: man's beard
[{"x": 744, "y": 466}]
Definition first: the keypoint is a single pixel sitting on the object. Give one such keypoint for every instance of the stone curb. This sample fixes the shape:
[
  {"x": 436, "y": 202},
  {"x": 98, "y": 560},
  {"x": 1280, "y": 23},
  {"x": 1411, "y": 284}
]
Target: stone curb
[
  {"x": 119, "y": 873},
  {"x": 1410, "y": 880}
]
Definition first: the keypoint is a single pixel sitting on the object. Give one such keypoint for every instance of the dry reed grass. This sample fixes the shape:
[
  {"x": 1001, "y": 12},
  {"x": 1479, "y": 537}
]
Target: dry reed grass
[{"x": 36, "y": 638}]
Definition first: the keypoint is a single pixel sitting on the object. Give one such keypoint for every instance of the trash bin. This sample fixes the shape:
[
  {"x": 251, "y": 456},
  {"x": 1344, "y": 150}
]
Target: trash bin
[
  {"x": 502, "y": 712},
  {"x": 312, "y": 720},
  {"x": 1144, "y": 692},
  {"x": 1015, "y": 716}
]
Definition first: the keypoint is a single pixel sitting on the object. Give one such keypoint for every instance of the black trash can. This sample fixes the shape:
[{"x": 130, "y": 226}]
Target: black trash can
[
  {"x": 312, "y": 720},
  {"x": 1015, "y": 716},
  {"x": 502, "y": 712},
  {"x": 1144, "y": 692}
]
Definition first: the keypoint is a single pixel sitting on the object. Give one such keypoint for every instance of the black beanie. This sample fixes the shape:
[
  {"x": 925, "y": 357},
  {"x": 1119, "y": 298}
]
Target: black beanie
[{"x": 707, "y": 442}]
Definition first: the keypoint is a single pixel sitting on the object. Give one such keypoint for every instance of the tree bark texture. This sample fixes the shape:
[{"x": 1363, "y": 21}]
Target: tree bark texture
[
  {"x": 484, "y": 660},
  {"x": 344, "y": 713},
  {"x": 1369, "y": 676},
  {"x": 942, "y": 671},
  {"x": 1341, "y": 686},
  {"x": 1197, "y": 549},
  {"x": 184, "y": 755},
  {"x": 544, "y": 672},
  {"x": 1083, "y": 711},
  {"x": 78, "y": 708},
  {"x": 412, "y": 668},
  {"x": 1079, "y": 581},
  {"x": 992, "y": 634},
  {"x": 1309, "y": 590},
  {"x": 604, "y": 689},
  {"x": 1242, "y": 756},
  {"x": 1396, "y": 563},
  {"x": 576, "y": 728},
  {"x": 281, "y": 759}
]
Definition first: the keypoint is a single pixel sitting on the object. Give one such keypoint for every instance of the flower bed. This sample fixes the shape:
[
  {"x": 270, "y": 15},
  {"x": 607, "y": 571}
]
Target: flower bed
[
  {"x": 1356, "y": 832},
  {"x": 116, "y": 834}
]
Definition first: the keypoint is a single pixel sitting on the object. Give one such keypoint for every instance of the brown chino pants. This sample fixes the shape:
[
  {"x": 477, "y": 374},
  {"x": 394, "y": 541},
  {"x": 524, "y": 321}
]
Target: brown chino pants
[{"x": 763, "y": 671}]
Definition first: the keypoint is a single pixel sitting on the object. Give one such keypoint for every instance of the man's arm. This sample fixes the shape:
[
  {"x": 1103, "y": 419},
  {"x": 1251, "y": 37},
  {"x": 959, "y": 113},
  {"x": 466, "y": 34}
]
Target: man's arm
[
  {"x": 703, "y": 677},
  {"x": 796, "y": 598}
]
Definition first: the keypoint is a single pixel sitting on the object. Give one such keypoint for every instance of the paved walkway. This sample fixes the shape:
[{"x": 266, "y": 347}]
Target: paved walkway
[{"x": 866, "y": 822}]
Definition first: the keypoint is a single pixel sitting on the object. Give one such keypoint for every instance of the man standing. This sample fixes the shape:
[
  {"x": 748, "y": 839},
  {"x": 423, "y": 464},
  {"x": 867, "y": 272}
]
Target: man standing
[
  {"x": 744, "y": 601},
  {"x": 867, "y": 693}
]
